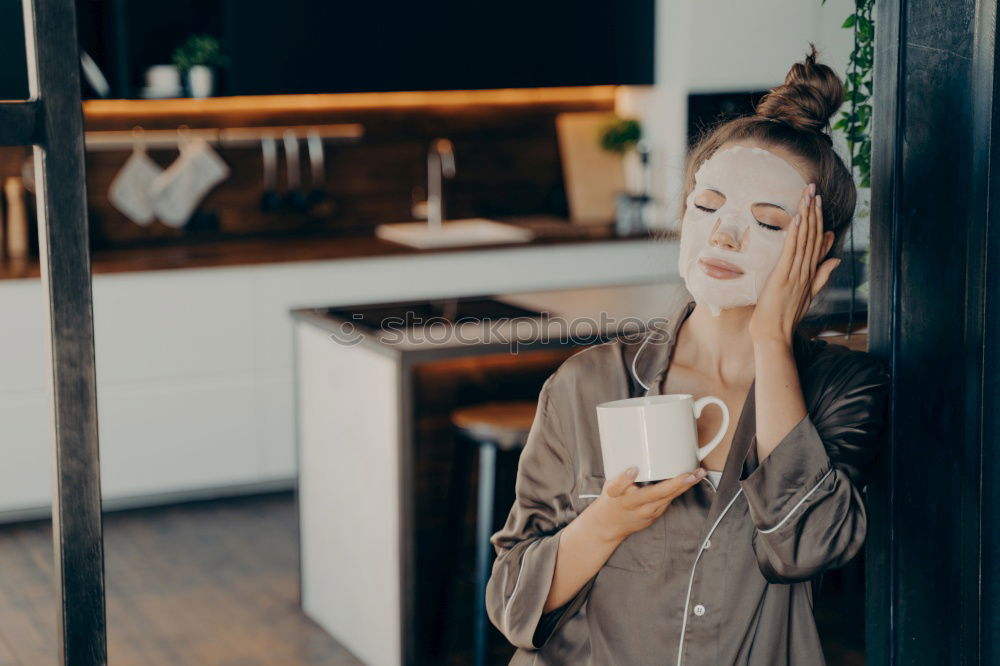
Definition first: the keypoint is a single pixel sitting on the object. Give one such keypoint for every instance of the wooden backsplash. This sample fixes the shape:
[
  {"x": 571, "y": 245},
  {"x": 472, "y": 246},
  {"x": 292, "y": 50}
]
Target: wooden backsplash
[{"x": 506, "y": 155}]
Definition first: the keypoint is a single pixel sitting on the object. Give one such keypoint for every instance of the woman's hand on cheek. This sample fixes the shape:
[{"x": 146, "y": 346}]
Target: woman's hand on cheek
[{"x": 796, "y": 279}]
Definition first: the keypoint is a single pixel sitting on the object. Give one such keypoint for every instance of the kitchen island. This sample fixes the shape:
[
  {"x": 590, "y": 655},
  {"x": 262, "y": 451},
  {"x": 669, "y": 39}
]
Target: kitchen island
[{"x": 375, "y": 384}]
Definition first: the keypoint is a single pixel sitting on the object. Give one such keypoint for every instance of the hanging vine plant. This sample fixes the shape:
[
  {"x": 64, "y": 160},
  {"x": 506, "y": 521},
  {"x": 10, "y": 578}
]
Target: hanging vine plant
[{"x": 856, "y": 122}]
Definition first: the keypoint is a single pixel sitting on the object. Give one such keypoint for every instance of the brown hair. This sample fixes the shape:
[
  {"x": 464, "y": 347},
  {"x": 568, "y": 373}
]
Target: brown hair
[{"x": 794, "y": 116}]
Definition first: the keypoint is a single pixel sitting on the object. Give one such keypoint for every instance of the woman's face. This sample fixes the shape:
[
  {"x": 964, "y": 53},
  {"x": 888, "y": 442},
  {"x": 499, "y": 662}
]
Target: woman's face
[{"x": 735, "y": 222}]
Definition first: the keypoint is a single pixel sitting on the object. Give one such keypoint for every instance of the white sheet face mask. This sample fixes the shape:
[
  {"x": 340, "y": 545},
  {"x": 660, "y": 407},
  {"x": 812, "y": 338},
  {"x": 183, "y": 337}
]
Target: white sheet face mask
[{"x": 746, "y": 176}]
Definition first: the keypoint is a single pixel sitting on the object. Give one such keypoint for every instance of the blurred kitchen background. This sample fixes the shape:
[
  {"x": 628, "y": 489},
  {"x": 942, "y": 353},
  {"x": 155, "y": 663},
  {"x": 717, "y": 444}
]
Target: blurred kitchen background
[{"x": 263, "y": 176}]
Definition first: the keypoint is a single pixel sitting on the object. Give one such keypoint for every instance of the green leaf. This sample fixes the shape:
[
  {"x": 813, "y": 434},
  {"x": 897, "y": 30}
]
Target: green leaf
[
  {"x": 858, "y": 89},
  {"x": 620, "y": 135}
]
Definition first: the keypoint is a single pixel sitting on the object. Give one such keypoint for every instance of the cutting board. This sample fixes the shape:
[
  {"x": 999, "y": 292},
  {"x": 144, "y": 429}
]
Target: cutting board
[{"x": 593, "y": 176}]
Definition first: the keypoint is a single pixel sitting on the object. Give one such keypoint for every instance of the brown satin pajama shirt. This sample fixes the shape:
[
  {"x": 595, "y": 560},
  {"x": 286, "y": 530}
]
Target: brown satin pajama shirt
[{"x": 724, "y": 576}]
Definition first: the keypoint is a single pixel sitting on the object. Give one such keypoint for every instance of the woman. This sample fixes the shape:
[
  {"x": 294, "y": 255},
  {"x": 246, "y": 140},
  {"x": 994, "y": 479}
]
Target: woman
[{"x": 695, "y": 569}]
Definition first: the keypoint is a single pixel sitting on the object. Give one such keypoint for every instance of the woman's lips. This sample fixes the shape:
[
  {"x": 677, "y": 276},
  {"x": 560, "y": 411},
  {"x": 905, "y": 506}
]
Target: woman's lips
[{"x": 717, "y": 268}]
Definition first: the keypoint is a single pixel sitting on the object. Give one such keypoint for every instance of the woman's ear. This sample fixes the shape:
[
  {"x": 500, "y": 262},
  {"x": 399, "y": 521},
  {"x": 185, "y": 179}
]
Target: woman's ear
[{"x": 827, "y": 243}]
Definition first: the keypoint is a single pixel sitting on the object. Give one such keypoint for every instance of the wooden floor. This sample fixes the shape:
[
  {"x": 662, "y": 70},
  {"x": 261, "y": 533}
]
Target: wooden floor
[
  {"x": 216, "y": 584},
  {"x": 210, "y": 583}
]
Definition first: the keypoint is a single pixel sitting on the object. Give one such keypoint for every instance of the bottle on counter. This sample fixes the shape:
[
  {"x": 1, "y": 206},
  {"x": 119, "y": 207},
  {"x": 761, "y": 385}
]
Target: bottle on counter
[
  {"x": 3, "y": 230},
  {"x": 17, "y": 219}
]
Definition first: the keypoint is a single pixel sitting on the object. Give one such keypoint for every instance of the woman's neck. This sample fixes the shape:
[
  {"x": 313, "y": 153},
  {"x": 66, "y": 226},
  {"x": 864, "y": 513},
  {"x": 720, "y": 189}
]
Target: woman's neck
[{"x": 719, "y": 347}]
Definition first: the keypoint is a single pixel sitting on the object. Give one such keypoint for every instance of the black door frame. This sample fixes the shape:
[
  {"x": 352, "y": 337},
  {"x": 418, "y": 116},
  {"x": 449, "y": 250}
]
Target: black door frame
[
  {"x": 932, "y": 580},
  {"x": 52, "y": 123}
]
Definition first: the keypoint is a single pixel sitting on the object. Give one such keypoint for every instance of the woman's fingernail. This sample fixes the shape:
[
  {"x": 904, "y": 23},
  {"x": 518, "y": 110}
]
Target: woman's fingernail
[
  {"x": 691, "y": 478},
  {"x": 819, "y": 201},
  {"x": 795, "y": 221},
  {"x": 633, "y": 471},
  {"x": 698, "y": 474}
]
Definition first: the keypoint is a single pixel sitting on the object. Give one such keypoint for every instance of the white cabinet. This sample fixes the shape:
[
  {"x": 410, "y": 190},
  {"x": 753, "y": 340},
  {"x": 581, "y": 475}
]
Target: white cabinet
[
  {"x": 168, "y": 325},
  {"x": 27, "y": 456},
  {"x": 22, "y": 346},
  {"x": 194, "y": 366},
  {"x": 166, "y": 437}
]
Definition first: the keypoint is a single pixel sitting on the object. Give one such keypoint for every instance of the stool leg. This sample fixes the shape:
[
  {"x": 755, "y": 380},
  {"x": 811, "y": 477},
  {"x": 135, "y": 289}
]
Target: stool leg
[{"x": 484, "y": 527}]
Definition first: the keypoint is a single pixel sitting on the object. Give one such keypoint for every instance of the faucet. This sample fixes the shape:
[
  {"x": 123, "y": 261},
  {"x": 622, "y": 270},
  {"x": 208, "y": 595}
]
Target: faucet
[{"x": 440, "y": 164}]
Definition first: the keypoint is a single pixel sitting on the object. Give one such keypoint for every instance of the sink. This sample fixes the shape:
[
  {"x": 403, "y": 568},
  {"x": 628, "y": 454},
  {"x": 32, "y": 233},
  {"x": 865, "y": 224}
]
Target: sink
[{"x": 470, "y": 231}]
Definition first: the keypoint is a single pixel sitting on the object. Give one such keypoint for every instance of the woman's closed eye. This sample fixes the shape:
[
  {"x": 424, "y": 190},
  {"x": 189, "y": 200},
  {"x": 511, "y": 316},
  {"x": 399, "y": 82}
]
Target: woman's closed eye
[{"x": 769, "y": 227}]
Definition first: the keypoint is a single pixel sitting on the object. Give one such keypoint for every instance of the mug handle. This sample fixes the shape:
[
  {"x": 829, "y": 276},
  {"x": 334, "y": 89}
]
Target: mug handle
[{"x": 698, "y": 405}]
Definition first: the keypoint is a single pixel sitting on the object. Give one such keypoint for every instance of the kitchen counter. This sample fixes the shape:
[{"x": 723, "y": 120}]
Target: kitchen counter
[{"x": 248, "y": 251}]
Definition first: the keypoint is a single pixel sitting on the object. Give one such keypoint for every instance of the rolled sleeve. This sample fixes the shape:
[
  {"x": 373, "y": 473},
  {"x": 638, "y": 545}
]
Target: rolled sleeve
[
  {"x": 520, "y": 615},
  {"x": 787, "y": 477},
  {"x": 527, "y": 545},
  {"x": 805, "y": 497}
]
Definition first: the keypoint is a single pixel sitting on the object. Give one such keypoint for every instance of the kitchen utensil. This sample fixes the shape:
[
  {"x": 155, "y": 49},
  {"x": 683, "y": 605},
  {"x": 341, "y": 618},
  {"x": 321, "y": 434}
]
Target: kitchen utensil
[
  {"x": 270, "y": 200},
  {"x": 295, "y": 198},
  {"x": 318, "y": 200}
]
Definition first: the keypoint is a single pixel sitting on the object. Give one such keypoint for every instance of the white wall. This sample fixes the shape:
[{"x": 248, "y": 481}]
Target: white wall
[{"x": 719, "y": 46}]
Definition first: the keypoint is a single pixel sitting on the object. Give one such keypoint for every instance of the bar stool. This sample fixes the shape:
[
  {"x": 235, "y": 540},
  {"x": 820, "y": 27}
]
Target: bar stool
[{"x": 490, "y": 426}]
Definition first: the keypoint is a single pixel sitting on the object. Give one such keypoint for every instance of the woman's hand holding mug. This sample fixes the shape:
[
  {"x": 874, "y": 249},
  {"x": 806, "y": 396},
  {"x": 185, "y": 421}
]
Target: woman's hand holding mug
[
  {"x": 624, "y": 508},
  {"x": 592, "y": 537}
]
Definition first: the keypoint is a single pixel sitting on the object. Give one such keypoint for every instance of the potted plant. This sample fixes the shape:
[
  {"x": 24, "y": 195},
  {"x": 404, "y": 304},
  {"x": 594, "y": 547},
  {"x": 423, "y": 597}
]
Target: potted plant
[
  {"x": 196, "y": 57},
  {"x": 633, "y": 207}
]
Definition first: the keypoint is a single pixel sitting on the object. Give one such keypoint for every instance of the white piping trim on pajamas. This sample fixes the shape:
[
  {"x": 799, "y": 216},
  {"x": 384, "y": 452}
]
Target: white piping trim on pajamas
[
  {"x": 513, "y": 593},
  {"x": 687, "y": 600},
  {"x": 586, "y": 496},
  {"x": 634, "y": 358},
  {"x": 797, "y": 505}
]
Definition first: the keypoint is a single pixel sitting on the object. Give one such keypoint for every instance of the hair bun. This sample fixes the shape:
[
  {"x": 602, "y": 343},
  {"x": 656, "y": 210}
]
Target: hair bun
[{"x": 811, "y": 94}]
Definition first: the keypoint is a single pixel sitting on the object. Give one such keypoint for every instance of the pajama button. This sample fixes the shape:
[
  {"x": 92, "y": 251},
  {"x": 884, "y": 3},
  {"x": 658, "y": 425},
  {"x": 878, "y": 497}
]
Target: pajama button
[
  {"x": 708, "y": 544},
  {"x": 699, "y": 610}
]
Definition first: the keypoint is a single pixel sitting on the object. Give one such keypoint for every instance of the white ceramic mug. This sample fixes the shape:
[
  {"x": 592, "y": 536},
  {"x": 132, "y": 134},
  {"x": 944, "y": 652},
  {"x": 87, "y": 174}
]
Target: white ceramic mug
[{"x": 657, "y": 433}]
